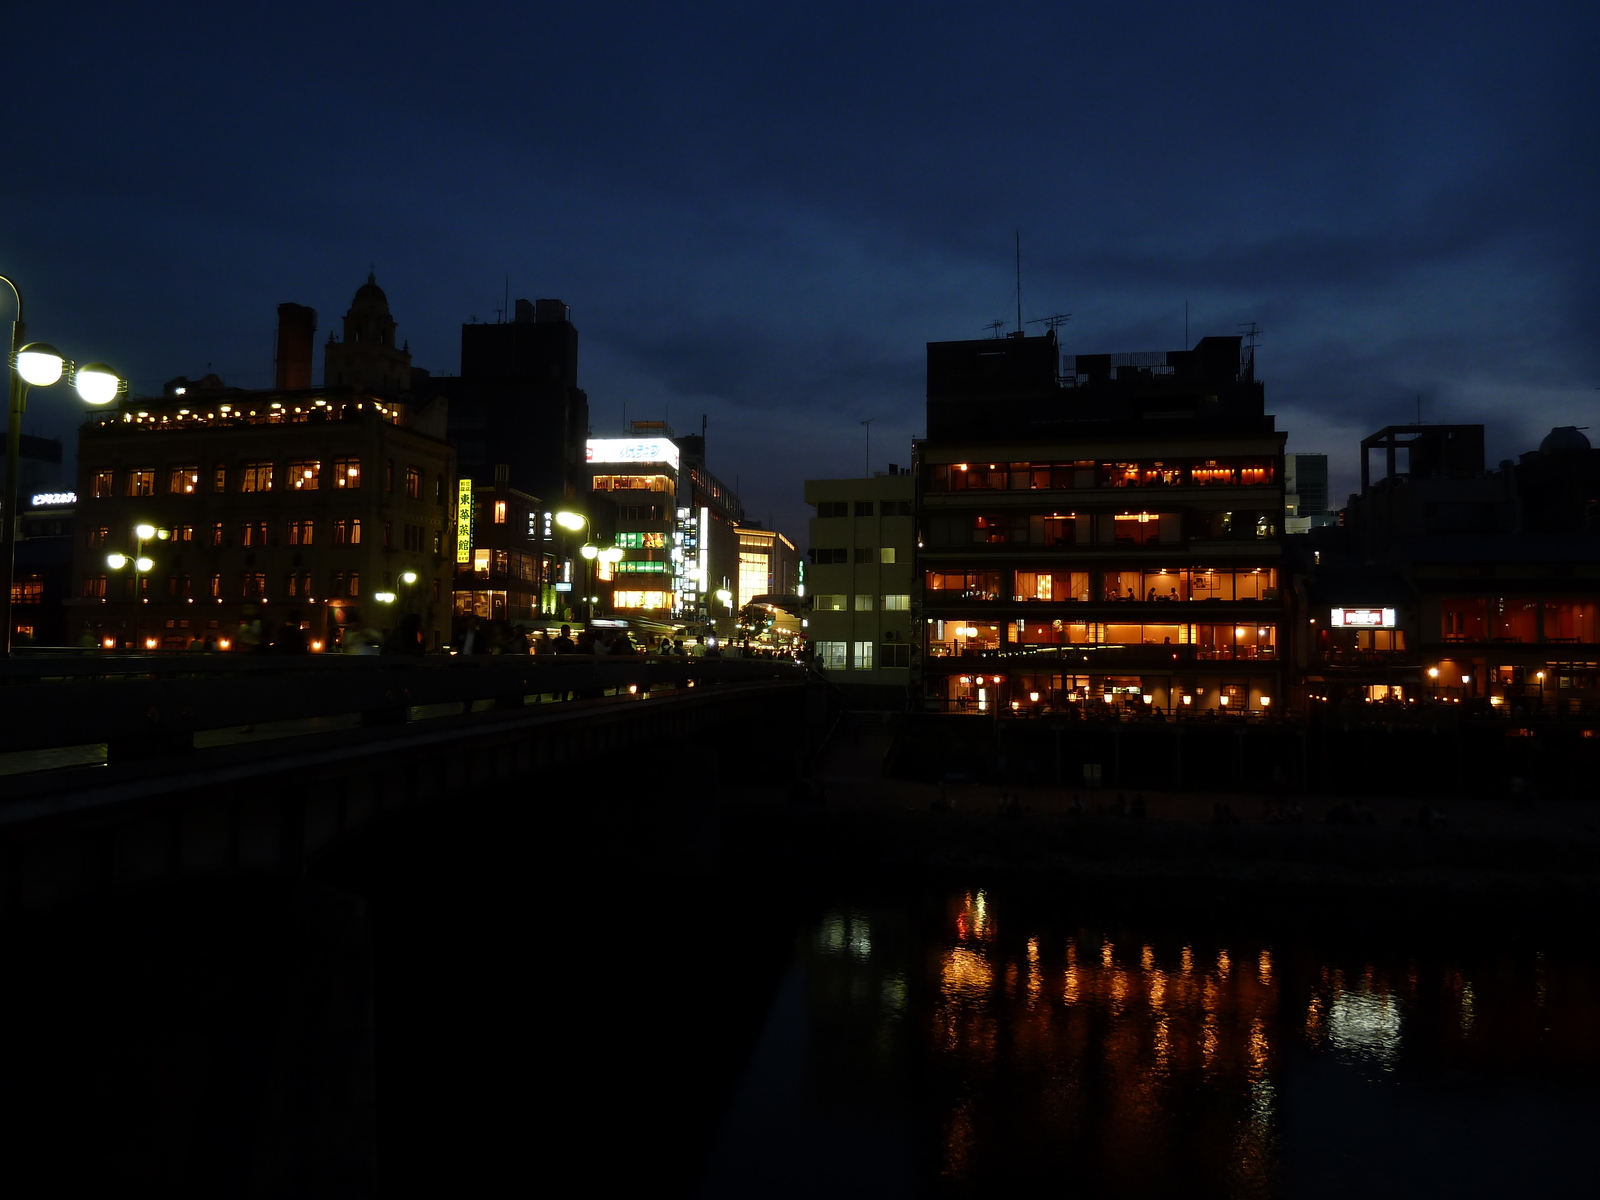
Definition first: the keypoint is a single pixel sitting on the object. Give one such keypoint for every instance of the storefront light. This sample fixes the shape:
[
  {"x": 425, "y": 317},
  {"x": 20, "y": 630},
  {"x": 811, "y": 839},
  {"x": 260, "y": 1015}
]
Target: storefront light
[
  {"x": 1433, "y": 672},
  {"x": 1466, "y": 679},
  {"x": 1034, "y": 697},
  {"x": 1188, "y": 700}
]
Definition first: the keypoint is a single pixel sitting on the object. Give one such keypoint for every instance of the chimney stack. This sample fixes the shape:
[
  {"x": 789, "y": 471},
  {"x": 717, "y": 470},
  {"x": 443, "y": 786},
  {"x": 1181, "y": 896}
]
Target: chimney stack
[{"x": 297, "y": 327}]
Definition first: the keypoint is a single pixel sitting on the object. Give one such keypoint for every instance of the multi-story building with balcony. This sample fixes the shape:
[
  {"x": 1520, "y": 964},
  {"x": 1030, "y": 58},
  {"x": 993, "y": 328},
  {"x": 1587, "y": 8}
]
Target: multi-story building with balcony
[
  {"x": 860, "y": 582},
  {"x": 1450, "y": 582},
  {"x": 1098, "y": 531}
]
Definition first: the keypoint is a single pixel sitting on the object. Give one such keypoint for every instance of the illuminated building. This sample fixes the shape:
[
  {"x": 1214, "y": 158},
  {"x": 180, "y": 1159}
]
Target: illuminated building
[
  {"x": 1450, "y": 582},
  {"x": 303, "y": 499},
  {"x": 1099, "y": 531},
  {"x": 44, "y": 569},
  {"x": 505, "y": 569},
  {"x": 860, "y": 582}
]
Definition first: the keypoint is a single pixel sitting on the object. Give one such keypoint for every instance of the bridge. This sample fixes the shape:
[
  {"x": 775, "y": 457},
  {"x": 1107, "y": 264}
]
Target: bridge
[{"x": 127, "y": 771}]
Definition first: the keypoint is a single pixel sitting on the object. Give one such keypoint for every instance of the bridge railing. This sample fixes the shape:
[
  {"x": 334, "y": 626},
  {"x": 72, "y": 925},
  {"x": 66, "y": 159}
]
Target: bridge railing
[{"x": 141, "y": 705}]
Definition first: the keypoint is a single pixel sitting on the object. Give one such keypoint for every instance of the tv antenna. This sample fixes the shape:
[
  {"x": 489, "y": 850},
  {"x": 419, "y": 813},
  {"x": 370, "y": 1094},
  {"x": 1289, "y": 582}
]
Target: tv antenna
[
  {"x": 994, "y": 328},
  {"x": 1019, "y": 283},
  {"x": 1053, "y": 322}
]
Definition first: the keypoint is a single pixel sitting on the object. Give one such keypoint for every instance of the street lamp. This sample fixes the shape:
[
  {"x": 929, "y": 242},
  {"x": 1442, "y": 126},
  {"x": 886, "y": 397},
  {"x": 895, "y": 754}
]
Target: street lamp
[
  {"x": 571, "y": 520},
  {"x": 35, "y": 364}
]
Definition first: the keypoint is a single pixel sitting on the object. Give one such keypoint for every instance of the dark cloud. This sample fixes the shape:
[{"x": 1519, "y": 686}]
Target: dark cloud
[{"x": 763, "y": 214}]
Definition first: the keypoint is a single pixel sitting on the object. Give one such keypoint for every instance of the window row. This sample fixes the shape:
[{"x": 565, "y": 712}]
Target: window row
[
  {"x": 506, "y": 563},
  {"x": 860, "y": 554},
  {"x": 298, "y": 475},
  {"x": 633, "y": 483},
  {"x": 1209, "y": 640},
  {"x": 252, "y": 586},
  {"x": 861, "y": 602},
  {"x": 1166, "y": 584},
  {"x": 1473, "y": 619},
  {"x": 1095, "y": 529},
  {"x": 1101, "y": 473},
  {"x": 864, "y": 508},
  {"x": 860, "y": 656}
]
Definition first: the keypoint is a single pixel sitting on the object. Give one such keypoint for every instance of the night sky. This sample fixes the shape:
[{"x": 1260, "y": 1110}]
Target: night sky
[{"x": 763, "y": 214}]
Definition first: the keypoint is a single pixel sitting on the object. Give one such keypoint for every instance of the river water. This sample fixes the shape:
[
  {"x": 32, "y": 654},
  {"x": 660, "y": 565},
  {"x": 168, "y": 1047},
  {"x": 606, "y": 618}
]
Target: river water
[{"x": 980, "y": 1043}]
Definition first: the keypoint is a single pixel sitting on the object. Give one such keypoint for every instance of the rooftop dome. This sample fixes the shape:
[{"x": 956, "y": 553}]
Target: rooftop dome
[{"x": 1563, "y": 437}]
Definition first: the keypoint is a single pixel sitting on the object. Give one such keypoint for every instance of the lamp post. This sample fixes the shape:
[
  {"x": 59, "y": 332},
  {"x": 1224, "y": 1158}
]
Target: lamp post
[
  {"x": 35, "y": 365},
  {"x": 572, "y": 522}
]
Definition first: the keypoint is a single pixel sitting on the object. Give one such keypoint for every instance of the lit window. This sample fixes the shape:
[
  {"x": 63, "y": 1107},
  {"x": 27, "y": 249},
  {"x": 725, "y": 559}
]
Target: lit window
[
  {"x": 863, "y": 601},
  {"x": 499, "y": 512},
  {"x": 863, "y": 656},
  {"x": 831, "y": 656},
  {"x": 102, "y": 485},
  {"x": 413, "y": 483},
  {"x": 183, "y": 481},
  {"x": 305, "y": 475},
  {"x": 141, "y": 482},
  {"x": 828, "y": 603},
  {"x": 897, "y": 602},
  {"x": 886, "y": 554},
  {"x": 347, "y": 472},
  {"x": 256, "y": 477}
]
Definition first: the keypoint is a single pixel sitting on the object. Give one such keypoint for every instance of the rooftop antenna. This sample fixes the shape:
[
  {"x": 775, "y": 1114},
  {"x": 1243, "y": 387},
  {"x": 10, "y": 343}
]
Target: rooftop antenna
[
  {"x": 994, "y": 328},
  {"x": 1053, "y": 322},
  {"x": 1252, "y": 338},
  {"x": 868, "y": 423},
  {"x": 1019, "y": 283}
]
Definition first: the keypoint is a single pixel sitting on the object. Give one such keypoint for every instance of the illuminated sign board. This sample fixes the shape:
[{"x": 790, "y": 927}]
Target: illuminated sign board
[
  {"x": 51, "y": 499},
  {"x": 464, "y": 521},
  {"x": 634, "y": 450},
  {"x": 1363, "y": 618}
]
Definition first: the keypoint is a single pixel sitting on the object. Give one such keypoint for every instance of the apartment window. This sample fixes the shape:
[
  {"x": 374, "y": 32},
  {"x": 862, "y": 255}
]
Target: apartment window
[
  {"x": 894, "y": 654},
  {"x": 833, "y": 508},
  {"x": 388, "y": 475},
  {"x": 499, "y": 512},
  {"x": 216, "y": 534},
  {"x": 438, "y": 542},
  {"x": 219, "y": 478},
  {"x": 863, "y": 554},
  {"x": 897, "y": 602},
  {"x": 183, "y": 481},
  {"x": 886, "y": 554},
  {"x": 94, "y": 586},
  {"x": 388, "y": 533},
  {"x": 347, "y": 532},
  {"x": 103, "y": 484},
  {"x": 305, "y": 474},
  {"x": 216, "y": 587},
  {"x": 438, "y": 489},
  {"x": 894, "y": 508},
  {"x": 347, "y": 472},
  {"x": 863, "y": 656},
  {"x": 96, "y": 536},
  {"x": 300, "y": 533},
  {"x": 823, "y": 558},
  {"x": 256, "y": 477},
  {"x": 354, "y": 584},
  {"x": 863, "y": 602},
  {"x": 413, "y": 483},
  {"x": 142, "y": 482},
  {"x": 28, "y": 591},
  {"x": 253, "y": 533},
  {"x": 831, "y": 656},
  {"x": 178, "y": 586},
  {"x": 252, "y": 585},
  {"x": 183, "y": 533},
  {"x": 863, "y": 508},
  {"x": 412, "y": 535},
  {"x": 297, "y": 583},
  {"x": 828, "y": 603}
]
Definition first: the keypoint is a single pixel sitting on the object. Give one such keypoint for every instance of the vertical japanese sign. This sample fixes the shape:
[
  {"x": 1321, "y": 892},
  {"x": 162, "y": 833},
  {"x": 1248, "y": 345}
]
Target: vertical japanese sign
[{"x": 464, "y": 521}]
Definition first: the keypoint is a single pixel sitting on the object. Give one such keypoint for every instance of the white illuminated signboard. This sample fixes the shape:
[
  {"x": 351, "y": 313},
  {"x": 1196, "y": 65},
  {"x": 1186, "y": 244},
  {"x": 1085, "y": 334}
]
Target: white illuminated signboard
[
  {"x": 1363, "y": 618},
  {"x": 51, "y": 499},
  {"x": 634, "y": 450}
]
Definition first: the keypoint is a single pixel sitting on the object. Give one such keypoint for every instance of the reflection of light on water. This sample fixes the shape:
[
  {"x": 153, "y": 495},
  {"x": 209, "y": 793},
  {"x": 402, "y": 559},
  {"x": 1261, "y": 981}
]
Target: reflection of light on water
[
  {"x": 1147, "y": 958},
  {"x": 1107, "y": 954},
  {"x": 1035, "y": 981},
  {"x": 1158, "y": 988},
  {"x": 1223, "y": 963},
  {"x": 1186, "y": 960},
  {"x": 1264, "y": 967},
  {"x": 842, "y": 933},
  {"x": 894, "y": 994},
  {"x": 1466, "y": 1008},
  {"x": 1365, "y": 1025},
  {"x": 965, "y": 974},
  {"x": 972, "y": 919}
]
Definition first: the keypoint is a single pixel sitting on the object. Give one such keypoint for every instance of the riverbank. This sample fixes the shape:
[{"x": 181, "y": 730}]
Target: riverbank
[{"x": 1422, "y": 855}]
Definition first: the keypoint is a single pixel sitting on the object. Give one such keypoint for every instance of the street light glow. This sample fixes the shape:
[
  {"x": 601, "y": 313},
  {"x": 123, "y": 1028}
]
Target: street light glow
[
  {"x": 570, "y": 520},
  {"x": 611, "y": 555},
  {"x": 143, "y": 564},
  {"x": 40, "y": 364},
  {"x": 408, "y": 577},
  {"x": 116, "y": 561},
  {"x": 590, "y": 551},
  {"x": 144, "y": 532},
  {"x": 97, "y": 383},
  {"x": 383, "y": 597}
]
